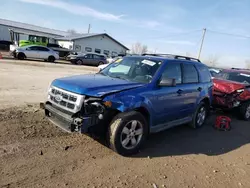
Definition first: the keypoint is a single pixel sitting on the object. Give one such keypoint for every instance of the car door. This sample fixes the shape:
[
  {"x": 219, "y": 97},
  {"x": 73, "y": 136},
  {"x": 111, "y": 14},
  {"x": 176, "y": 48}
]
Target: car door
[
  {"x": 87, "y": 59},
  {"x": 191, "y": 88},
  {"x": 167, "y": 101},
  {"x": 96, "y": 59},
  {"x": 43, "y": 52},
  {"x": 32, "y": 52}
]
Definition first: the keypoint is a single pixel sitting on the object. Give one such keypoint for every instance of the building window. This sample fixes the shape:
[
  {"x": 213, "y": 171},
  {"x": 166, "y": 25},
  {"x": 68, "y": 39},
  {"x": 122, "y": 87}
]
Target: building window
[
  {"x": 97, "y": 51},
  {"x": 78, "y": 48},
  {"x": 114, "y": 54},
  {"x": 106, "y": 52},
  {"x": 88, "y": 49},
  {"x": 44, "y": 40}
]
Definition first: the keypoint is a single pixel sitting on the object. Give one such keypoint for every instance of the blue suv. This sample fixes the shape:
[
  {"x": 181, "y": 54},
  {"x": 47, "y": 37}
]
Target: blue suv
[{"x": 133, "y": 97}]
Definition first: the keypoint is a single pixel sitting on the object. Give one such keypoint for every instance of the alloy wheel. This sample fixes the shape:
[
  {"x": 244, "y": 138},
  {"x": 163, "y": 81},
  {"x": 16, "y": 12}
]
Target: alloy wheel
[
  {"x": 201, "y": 116},
  {"x": 131, "y": 134}
]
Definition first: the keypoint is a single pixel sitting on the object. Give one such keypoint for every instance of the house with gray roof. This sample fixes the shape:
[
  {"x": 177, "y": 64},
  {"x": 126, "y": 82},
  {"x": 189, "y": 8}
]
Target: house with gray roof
[{"x": 91, "y": 42}]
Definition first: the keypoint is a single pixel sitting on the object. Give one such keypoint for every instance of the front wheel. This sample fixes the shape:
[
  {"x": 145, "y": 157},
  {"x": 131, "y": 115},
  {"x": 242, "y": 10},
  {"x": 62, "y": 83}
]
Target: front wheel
[
  {"x": 100, "y": 63},
  {"x": 245, "y": 111},
  {"x": 127, "y": 132},
  {"x": 21, "y": 56},
  {"x": 200, "y": 116}
]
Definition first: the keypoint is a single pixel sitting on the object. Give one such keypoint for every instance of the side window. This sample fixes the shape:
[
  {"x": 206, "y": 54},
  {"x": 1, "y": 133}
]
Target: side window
[
  {"x": 33, "y": 48},
  {"x": 42, "y": 49},
  {"x": 88, "y": 49},
  {"x": 205, "y": 75},
  {"x": 190, "y": 74},
  {"x": 96, "y": 56},
  {"x": 89, "y": 56},
  {"x": 173, "y": 70},
  {"x": 97, "y": 51}
]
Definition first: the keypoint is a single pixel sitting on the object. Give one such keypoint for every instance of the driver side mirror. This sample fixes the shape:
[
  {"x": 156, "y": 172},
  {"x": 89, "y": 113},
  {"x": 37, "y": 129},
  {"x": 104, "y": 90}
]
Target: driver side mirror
[{"x": 167, "y": 82}]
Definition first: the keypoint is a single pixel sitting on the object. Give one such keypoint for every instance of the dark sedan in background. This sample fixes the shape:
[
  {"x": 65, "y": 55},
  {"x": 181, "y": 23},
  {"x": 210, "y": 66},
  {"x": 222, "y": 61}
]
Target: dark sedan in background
[{"x": 89, "y": 59}]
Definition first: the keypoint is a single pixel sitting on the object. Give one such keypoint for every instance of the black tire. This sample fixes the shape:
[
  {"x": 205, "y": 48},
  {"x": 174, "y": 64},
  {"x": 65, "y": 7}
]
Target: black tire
[
  {"x": 116, "y": 128},
  {"x": 51, "y": 59},
  {"x": 21, "y": 56},
  {"x": 79, "y": 62},
  {"x": 100, "y": 63},
  {"x": 194, "y": 123},
  {"x": 244, "y": 111}
]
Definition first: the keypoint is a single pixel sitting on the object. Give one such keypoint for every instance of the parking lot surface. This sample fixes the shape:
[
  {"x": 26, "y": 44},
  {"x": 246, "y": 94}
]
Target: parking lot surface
[{"x": 34, "y": 153}]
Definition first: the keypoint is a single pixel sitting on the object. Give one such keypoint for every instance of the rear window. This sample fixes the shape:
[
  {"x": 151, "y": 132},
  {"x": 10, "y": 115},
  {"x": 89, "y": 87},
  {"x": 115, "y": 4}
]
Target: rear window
[
  {"x": 205, "y": 75},
  {"x": 190, "y": 74}
]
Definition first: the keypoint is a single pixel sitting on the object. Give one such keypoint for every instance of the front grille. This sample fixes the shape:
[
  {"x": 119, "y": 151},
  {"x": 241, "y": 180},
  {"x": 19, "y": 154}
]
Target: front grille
[{"x": 66, "y": 100}]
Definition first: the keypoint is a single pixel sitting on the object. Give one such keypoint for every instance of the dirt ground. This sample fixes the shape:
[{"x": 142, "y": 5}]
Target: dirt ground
[{"x": 34, "y": 153}]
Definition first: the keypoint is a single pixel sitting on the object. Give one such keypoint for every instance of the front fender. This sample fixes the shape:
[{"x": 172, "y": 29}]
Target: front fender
[{"x": 124, "y": 103}]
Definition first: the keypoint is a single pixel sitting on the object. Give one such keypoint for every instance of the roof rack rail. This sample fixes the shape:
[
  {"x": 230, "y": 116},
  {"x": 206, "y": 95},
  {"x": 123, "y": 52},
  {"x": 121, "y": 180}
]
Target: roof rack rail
[{"x": 173, "y": 56}]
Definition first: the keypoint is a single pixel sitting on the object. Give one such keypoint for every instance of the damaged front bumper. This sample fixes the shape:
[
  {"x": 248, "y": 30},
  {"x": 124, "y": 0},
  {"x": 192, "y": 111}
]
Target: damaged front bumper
[{"x": 69, "y": 122}]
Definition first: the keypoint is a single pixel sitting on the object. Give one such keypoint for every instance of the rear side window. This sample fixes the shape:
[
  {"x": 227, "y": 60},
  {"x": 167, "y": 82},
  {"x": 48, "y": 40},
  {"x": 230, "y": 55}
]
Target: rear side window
[
  {"x": 205, "y": 75},
  {"x": 42, "y": 49},
  {"x": 190, "y": 74},
  {"x": 173, "y": 71},
  {"x": 33, "y": 48},
  {"x": 96, "y": 56}
]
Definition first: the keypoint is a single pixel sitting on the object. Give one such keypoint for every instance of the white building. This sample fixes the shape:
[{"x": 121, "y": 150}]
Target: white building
[
  {"x": 26, "y": 30},
  {"x": 98, "y": 43}
]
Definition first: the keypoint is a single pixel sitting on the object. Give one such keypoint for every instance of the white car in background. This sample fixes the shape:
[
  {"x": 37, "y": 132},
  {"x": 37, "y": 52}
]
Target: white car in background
[{"x": 35, "y": 52}]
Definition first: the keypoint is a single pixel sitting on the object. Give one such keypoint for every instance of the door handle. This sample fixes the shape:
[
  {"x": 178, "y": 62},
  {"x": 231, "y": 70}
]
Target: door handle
[
  {"x": 199, "y": 89},
  {"x": 179, "y": 91}
]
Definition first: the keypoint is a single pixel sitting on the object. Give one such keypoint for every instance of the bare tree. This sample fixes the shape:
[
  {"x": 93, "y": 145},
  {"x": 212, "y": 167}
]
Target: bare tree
[
  {"x": 71, "y": 31},
  {"x": 212, "y": 60},
  {"x": 138, "y": 48}
]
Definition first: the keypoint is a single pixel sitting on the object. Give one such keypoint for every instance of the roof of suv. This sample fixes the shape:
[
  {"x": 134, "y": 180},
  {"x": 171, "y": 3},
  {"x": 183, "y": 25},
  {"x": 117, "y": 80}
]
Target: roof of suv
[{"x": 163, "y": 57}]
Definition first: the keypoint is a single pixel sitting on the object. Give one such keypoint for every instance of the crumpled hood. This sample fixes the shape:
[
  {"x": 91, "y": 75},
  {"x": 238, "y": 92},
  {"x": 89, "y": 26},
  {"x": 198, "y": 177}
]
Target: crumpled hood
[
  {"x": 95, "y": 85},
  {"x": 227, "y": 86}
]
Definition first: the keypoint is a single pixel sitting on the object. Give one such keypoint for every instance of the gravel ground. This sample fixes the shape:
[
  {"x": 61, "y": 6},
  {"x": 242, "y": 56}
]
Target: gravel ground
[{"x": 34, "y": 153}]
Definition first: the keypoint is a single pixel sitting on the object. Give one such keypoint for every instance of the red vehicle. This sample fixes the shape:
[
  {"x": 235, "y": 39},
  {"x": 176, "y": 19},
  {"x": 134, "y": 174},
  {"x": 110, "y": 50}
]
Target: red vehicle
[{"x": 232, "y": 90}]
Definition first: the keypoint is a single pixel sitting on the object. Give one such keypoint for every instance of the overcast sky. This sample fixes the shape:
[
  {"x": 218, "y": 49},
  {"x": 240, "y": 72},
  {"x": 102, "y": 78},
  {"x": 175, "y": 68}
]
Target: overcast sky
[{"x": 167, "y": 26}]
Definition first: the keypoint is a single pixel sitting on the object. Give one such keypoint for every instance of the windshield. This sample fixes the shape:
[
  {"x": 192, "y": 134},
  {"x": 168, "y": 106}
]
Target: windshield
[
  {"x": 133, "y": 69},
  {"x": 239, "y": 77}
]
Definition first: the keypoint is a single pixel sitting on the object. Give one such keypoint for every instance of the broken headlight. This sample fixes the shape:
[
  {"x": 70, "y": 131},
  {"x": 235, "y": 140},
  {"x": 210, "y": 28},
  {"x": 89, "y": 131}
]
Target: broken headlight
[{"x": 240, "y": 90}]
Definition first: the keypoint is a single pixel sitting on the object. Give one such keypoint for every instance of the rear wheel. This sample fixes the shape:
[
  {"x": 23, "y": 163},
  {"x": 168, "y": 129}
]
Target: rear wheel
[
  {"x": 51, "y": 59},
  {"x": 79, "y": 62},
  {"x": 244, "y": 111},
  {"x": 200, "y": 116},
  {"x": 21, "y": 56},
  {"x": 127, "y": 132}
]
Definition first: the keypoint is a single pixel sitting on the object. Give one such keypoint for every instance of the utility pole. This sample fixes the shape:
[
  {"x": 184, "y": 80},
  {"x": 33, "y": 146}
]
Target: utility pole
[
  {"x": 202, "y": 41},
  {"x": 89, "y": 28}
]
